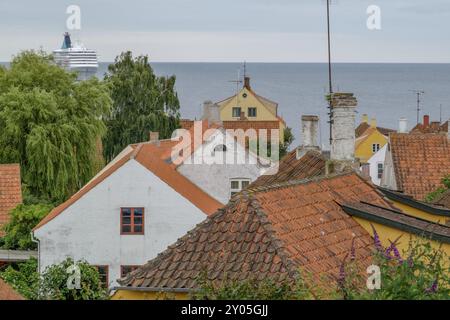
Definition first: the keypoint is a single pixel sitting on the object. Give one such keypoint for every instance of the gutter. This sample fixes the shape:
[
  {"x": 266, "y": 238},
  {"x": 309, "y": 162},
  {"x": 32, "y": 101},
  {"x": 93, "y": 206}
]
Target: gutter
[{"x": 155, "y": 289}]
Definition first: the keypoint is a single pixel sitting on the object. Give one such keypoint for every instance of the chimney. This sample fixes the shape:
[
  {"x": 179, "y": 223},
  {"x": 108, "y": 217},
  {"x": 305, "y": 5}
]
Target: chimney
[
  {"x": 343, "y": 127},
  {"x": 365, "y": 118},
  {"x": 242, "y": 117},
  {"x": 310, "y": 129},
  {"x": 402, "y": 125},
  {"x": 211, "y": 112},
  {"x": 247, "y": 83},
  {"x": 426, "y": 121},
  {"x": 154, "y": 136},
  {"x": 373, "y": 123}
]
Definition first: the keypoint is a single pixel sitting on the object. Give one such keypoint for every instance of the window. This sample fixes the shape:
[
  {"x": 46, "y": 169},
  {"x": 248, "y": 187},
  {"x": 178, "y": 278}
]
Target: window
[
  {"x": 238, "y": 184},
  {"x": 236, "y": 112},
  {"x": 103, "y": 273},
  {"x": 252, "y": 112},
  {"x": 375, "y": 147},
  {"x": 379, "y": 170},
  {"x": 124, "y": 270},
  {"x": 132, "y": 221},
  {"x": 220, "y": 147}
]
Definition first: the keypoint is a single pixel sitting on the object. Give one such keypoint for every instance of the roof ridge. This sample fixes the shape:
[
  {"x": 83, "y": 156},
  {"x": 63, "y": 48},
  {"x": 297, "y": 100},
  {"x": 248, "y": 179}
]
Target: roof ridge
[{"x": 295, "y": 182}]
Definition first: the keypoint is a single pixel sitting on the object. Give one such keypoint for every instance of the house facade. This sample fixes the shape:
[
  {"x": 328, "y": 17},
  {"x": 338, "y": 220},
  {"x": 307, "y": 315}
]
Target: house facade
[
  {"x": 376, "y": 165},
  {"x": 133, "y": 209}
]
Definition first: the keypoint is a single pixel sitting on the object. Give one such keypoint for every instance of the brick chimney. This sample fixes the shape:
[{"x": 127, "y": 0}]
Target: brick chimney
[
  {"x": 402, "y": 125},
  {"x": 242, "y": 117},
  {"x": 343, "y": 115},
  {"x": 373, "y": 123},
  {"x": 154, "y": 136},
  {"x": 426, "y": 121},
  {"x": 211, "y": 112},
  {"x": 310, "y": 130},
  {"x": 247, "y": 83}
]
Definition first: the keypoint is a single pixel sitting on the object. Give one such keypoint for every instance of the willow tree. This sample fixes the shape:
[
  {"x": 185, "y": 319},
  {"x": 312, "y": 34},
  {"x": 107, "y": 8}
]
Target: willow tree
[
  {"x": 142, "y": 102},
  {"x": 50, "y": 124}
]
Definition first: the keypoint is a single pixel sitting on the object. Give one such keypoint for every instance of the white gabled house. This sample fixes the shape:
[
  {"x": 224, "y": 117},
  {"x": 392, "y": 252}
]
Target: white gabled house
[{"x": 139, "y": 204}]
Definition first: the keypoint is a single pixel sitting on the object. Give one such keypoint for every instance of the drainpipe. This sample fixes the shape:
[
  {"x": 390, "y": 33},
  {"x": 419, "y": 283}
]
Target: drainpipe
[{"x": 33, "y": 239}]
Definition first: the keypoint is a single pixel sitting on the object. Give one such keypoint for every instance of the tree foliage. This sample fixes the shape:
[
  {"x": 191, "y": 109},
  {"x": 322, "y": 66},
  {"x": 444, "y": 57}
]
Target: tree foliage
[
  {"x": 50, "y": 124},
  {"x": 439, "y": 191},
  {"x": 24, "y": 278},
  {"x": 22, "y": 220},
  {"x": 52, "y": 284},
  {"x": 142, "y": 102}
]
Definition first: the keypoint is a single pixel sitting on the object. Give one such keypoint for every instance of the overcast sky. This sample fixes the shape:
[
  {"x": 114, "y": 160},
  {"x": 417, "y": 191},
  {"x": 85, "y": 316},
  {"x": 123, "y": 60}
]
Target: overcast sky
[{"x": 234, "y": 30}]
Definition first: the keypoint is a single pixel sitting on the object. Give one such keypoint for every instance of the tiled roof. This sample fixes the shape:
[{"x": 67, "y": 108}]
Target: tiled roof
[
  {"x": 155, "y": 157},
  {"x": 267, "y": 232},
  {"x": 399, "y": 220},
  {"x": 420, "y": 162},
  {"x": 311, "y": 164},
  {"x": 363, "y": 126},
  {"x": 10, "y": 190},
  {"x": 433, "y": 127},
  {"x": 443, "y": 200},
  {"x": 8, "y": 293}
]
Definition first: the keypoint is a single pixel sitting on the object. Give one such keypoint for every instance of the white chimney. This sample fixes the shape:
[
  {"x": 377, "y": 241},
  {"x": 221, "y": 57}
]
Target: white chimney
[
  {"x": 211, "y": 112},
  {"x": 310, "y": 129},
  {"x": 402, "y": 125},
  {"x": 343, "y": 116}
]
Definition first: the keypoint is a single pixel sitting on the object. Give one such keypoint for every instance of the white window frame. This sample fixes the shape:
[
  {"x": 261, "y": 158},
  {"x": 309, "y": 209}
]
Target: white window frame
[
  {"x": 378, "y": 170},
  {"x": 256, "y": 112},
  {"x": 376, "y": 147},
  {"x": 232, "y": 112},
  {"x": 240, "y": 181}
]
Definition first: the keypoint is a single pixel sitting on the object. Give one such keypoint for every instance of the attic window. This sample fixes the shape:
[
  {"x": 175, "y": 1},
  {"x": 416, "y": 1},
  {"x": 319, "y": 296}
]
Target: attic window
[
  {"x": 244, "y": 95},
  {"x": 236, "y": 112},
  {"x": 252, "y": 112},
  {"x": 375, "y": 147},
  {"x": 131, "y": 221},
  {"x": 220, "y": 148},
  {"x": 238, "y": 184}
]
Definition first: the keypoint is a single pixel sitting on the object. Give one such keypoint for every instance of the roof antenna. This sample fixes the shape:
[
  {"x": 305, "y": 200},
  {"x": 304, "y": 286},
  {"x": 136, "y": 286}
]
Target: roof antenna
[
  {"x": 238, "y": 81},
  {"x": 418, "y": 93},
  {"x": 330, "y": 81}
]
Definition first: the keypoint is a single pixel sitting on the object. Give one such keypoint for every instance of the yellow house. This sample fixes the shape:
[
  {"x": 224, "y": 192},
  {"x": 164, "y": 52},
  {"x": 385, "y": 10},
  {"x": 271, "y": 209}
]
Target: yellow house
[
  {"x": 248, "y": 110},
  {"x": 415, "y": 220},
  {"x": 369, "y": 139}
]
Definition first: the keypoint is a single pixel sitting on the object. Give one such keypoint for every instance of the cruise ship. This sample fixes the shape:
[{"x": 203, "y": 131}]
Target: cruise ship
[{"x": 76, "y": 58}]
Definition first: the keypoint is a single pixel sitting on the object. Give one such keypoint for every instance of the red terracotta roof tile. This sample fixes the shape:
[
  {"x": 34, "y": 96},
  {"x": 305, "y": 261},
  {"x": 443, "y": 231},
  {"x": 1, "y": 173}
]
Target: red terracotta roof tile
[
  {"x": 420, "y": 162},
  {"x": 8, "y": 293},
  {"x": 311, "y": 164},
  {"x": 10, "y": 190},
  {"x": 268, "y": 232}
]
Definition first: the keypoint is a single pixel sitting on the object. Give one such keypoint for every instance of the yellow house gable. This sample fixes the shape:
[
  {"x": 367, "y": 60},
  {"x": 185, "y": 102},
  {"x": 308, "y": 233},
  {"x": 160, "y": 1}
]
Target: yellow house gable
[
  {"x": 254, "y": 107},
  {"x": 369, "y": 143}
]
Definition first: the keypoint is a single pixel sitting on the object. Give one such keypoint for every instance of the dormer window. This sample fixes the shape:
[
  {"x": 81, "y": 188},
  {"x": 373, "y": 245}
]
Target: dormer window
[{"x": 220, "y": 148}]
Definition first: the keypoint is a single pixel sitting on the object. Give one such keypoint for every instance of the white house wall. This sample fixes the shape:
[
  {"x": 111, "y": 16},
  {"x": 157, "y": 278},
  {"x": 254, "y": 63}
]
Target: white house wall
[
  {"x": 378, "y": 157},
  {"x": 207, "y": 172},
  {"x": 90, "y": 228}
]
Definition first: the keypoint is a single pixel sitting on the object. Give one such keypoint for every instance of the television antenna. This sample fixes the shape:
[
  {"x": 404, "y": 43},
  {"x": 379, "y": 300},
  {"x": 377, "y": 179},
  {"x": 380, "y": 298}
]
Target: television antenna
[{"x": 418, "y": 94}]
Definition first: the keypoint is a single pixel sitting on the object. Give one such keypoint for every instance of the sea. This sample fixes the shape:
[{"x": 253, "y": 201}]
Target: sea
[{"x": 385, "y": 92}]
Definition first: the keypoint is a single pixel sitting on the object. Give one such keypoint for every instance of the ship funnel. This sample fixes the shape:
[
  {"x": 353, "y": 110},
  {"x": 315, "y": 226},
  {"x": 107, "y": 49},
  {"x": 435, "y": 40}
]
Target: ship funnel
[{"x": 67, "y": 42}]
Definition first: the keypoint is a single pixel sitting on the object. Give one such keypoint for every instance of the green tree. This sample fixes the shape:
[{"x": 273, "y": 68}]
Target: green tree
[
  {"x": 22, "y": 220},
  {"x": 142, "y": 102},
  {"x": 50, "y": 124},
  {"x": 439, "y": 191},
  {"x": 288, "y": 138},
  {"x": 24, "y": 278},
  {"x": 53, "y": 285}
]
